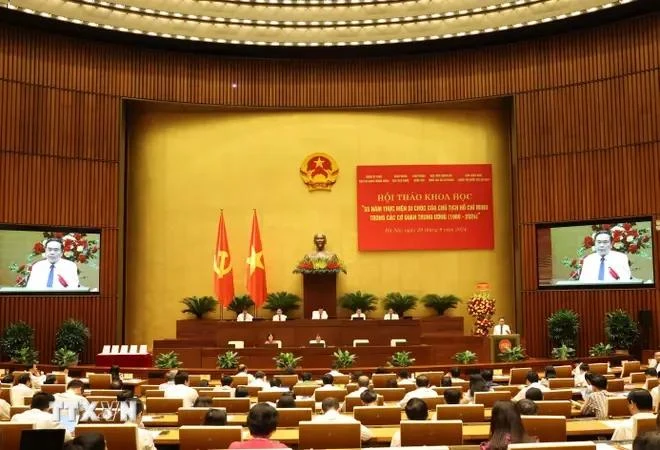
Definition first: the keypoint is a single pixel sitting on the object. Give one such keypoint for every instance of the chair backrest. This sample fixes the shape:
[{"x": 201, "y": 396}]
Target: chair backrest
[
  {"x": 10, "y": 434},
  {"x": 431, "y": 432},
  {"x": 215, "y": 394},
  {"x": 207, "y": 437},
  {"x": 154, "y": 393},
  {"x": 440, "y": 390},
  {"x": 560, "y": 445},
  {"x": 339, "y": 394},
  {"x": 53, "y": 388},
  {"x": 305, "y": 403},
  {"x": 642, "y": 425},
  {"x": 155, "y": 405},
  {"x": 564, "y": 371},
  {"x": 616, "y": 385},
  {"x": 117, "y": 436},
  {"x": 379, "y": 380},
  {"x": 328, "y": 435},
  {"x": 598, "y": 368},
  {"x": 545, "y": 428},
  {"x": 304, "y": 390},
  {"x": 391, "y": 394},
  {"x": 269, "y": 396},
  {"x": 253, "y": 391},
  {"x": 488, "y": 399},
  {"x": 466, "y": 413},
  {"x": 239, "y": 380},
  {"x": 554, "y": 408},
  {"x": 287, "y": 380},
  {"x": 291, "y": 417},
  {"x": 463, "y": 383},
  {"x": 617, "y": 407},
  {"x": 638, "y": 377},
  {"x": 133, "y": 348},
  {"x": 192, "y": 416},
  {"x": 27, "y": 400},
  {"x": 559, "y": 394},
  {"x": 342, "y": 379},
  {"x": 561, "y": 383},
  {"x": 651, "y": 383},
  {"x": 195, "y": 380},
  {"x": 4, "y": 394},
  {"x": 432, "y": 402},
  {"x": 513, "y": 389},
  {"x": 233, "y": 405},
  {"x": 377, "y": 415},
  {"x": 435, "y": 378},
  {"x": 350, "y": 387},
  {"x": 99, "y": 380},
  {"x": 13, "y": 410},
  {"x": 352, "y": 402},
  {"x": 518, "y": 375},
  {"x": 47, "y": 439},
  {"x": 628, "y": 367}
]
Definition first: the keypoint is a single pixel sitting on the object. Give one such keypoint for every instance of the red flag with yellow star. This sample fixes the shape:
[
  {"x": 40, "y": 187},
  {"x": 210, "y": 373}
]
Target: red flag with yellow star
[
  {"x": 256, "y": 269},
  {"x": 223, "y": 275}
]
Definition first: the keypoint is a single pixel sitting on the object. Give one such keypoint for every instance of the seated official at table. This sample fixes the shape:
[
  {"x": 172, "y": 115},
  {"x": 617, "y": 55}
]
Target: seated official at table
[
  {"x": 501, "y": 328},
  {"x": 244, "y": 317},
  {"x": 391, "y": 315},
  {"x": 319, "y": 314},
  {"x": 270, "y": 339},
  {"x": 359, "y": 315},
  {"x": 318, "y": 340},
  {"x": 279, "y": 317}
]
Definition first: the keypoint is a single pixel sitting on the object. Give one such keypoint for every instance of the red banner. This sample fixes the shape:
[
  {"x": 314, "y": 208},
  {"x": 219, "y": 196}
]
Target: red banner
[{"x": 448, "y": 207}]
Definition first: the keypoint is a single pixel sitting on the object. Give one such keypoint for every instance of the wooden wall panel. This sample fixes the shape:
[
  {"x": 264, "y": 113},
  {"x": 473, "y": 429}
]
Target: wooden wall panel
[{"x": 586, "y": 127}]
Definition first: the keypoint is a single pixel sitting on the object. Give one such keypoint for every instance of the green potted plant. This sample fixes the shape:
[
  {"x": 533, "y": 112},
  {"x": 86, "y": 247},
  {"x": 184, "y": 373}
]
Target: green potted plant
[
  {"x": 27, "y": 356},
  {"x": 72, "y": 335},
  {"x": 228, "y": 360},
  {"x": 240, "y": 303},
  {"x": 285, "y": 301},
  {"x": 440, "y": 303},
  {"x": 563, "y": 352},
  {"x": 600, "y": 349},
  {"x": 287, "y": 361},
  {"x": 621, "y": 330},
  {"x": 169, "y": 360},
  {"x": 466, "y": 357},
  {"x": 401, "y": 359},
  {"x": 399, "y": 303},
  {"x": 358, "y": 300},
  {"x": 563, "y": 328},
  {"x": 65, "y": 358},
  {"x": 16, "y": 337},
  {"x": 199, "y": 306},
  {"x": 513, "y": 354},
  {"x": 343, "y": 359}
]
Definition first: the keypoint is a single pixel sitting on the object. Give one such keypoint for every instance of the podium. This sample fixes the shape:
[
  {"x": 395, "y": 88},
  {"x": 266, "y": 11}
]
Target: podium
[
  {"x": 498, "y": 343},
  {"x": 320, "y": 291}
]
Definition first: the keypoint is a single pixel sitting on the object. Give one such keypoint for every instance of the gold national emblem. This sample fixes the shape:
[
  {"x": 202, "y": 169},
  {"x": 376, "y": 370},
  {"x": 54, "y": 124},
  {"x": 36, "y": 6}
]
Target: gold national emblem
[{"x": 319, "y": 172}]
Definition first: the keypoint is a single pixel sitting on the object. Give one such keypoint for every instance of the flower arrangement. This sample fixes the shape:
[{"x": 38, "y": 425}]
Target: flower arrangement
[
  {"x": 482, "y": 307},
  {"x": 76, "y": 247},
  {"x": 320, "y": 264},
  {"x": 626, "y": 238}
]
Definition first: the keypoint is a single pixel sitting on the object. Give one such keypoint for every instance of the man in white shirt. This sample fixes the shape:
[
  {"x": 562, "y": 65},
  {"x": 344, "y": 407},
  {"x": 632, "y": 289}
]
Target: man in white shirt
[
  {"x": 53, "y": 272},
  {"x": 22, "y": 389},
  {"x": 532, "y": 382},
  {"x": 359, "y": 315},
  {"x": 260, "y": 380},
  {"x": 242, "y": 371},
  {"x": 605, "y": 265},
  {"x": 640, "y": 405},
  {"x": 319, "y": 314},
  {"x": 330, "y": 408},
  {"x": 327, "y": 383},
  {"x": 416, "y": 409},
  {"x": 225, "y": 385},
  {"x": 391, "y": 315},
  {"x": 244, "y": 317},
  {"x": 403, "y": 377},
  {"x": 279, "y": 317},
  {"x": 275, "y": 385},
  {"x": 423, "y": 391},
  {"x": 73, "y": 397},
  {"x": 579, "y": 372},
  {"x": 182, "y": 390},
  {"x": 169, "y": 377},
  {"x": 5, "y": 410},
  {"x": 363, "y": 385},
  {"x": 39, "y": 416},
  {"x": 334, "y": 372},
  {"x": 501, "y": 328},
  {"x": 145, "y": 440}
]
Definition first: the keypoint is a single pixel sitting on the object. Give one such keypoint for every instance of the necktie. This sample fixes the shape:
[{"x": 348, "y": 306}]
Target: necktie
[
  {"x": 601, "y": 269},
  {"x": 501, "y": 329},
  {"x": 51, "y": 275}
]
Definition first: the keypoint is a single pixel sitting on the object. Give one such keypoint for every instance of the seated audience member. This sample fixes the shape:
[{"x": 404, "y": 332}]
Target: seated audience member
[
  {"x": 319, "y": 314},
  {"x": 317, "y": 340},
  {"x": 37, "y": 377},
  {"x": 262, "y": 423},
  {"x": 650, "y": 373},
  {"x": 114, "y": 373},
  {"x": 244, "y": 317},
  {"x": 506, "y": 427},
  {"x": 355, "y": 375},
  {"x": 22, "y": 389},
  {"x": 640, "y": 405},
  {"x": 182, "y": 390},
  {"x": 358, "y": 315},
  {"x": 416, "y": 409},
  {"x": 260, "y": 380},
  {"x": 242, "y": 371},
  {"x": 363, "y": 385},
  {"x": 532, "y": 382},
  {"x": 527, "y": 407},
  {"x": 73, "y": 397},
  {"x": 330, "y": 408},
  {"x": 452, "y": 396},
  {"x": 116, "y": 384},
  {"x": 145, "y": 440},
  {"x": 7, "y": 379},
  {"x": 39, "y": 416},
  {"x": 279, "y": 316},
  {"x": 306, "y": 378},
  {"x": 5, "y": 410},
  {"x": 381, "y": 369},
  {"x": 403, "y": 377},
  {"x": 391, "y": 315},
  {"x": 647, "y": 441},
  {"x": 446, "y": 381},
  {"x": 276, "y": 386},
  {"x": 578, "y": 374},
  {"x": 393, "y": 384},
  {"x": 50, "y": 379},
  {"x": 327, "y": 383},
  {"x": 588, "y": 388},
  {"x": 203, "y": 402},
  {"x": 225, "y": 385},
  {"x": 456, "y": 375},
  {"x": 596, "y": 402},
  {"x": 241, "y": 392},
  {"x": 423, "y": 391},
  {"x": 477, "y": 384},
  {"x": 534, "y": 394},
  {"x": 286, "y": 401},
  {"x": 169, "y": 380},
  {"x": 550, "y": 372},
  {"x": 87, "y": 441},
  {"x": 487, "y": 375},
  {"x": 334, "y": 372},
  {"x": 215, "y": 417},
  {"x": 369, "y": 398}
]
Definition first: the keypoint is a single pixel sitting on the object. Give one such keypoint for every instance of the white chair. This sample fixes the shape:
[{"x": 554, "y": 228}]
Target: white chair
[
  {"x": 395, "y": 342},
  {"x": 133, "y": 349},
  {"x": 114, "y": 349},
  {"x": 236, "y": 344},
  {"x": 358, "y": 342},
  {"x": 143, "y": 349},
  {"x": 123, "y": 349},
  {"x": 106, "y": 350}
]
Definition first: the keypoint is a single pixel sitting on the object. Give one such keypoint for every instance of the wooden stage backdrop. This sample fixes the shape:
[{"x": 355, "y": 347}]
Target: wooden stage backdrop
[{"x": 586, "y": 136}]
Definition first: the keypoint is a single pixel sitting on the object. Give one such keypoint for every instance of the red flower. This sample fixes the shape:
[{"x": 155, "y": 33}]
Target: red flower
[
  {"x": 67, "y": 245},
  {"x": 645, "y": 239},
  {"x": 588, "y": 242},
  {"x": 627, "y": 226},
  {"x": 95, "y": 249},
  {"x": 19, "y": 280},
  {"x": 632, "y": 248},
  {"x": 38, "y": 248},
  {"x": 77, "y": 236},
  {"x": 606, "y": 226},
  {"x": 82, "y": 258}
]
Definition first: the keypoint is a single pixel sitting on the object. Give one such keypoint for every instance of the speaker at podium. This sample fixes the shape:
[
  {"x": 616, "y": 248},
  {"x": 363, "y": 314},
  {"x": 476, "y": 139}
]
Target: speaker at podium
[{"x": 501, "y": 342}]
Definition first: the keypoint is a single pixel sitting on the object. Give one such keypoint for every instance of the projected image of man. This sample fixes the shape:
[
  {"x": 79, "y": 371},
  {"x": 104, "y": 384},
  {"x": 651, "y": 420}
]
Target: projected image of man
[
  {"x": 605, "y": 265},
  {"x": 54, "y": 272}
]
